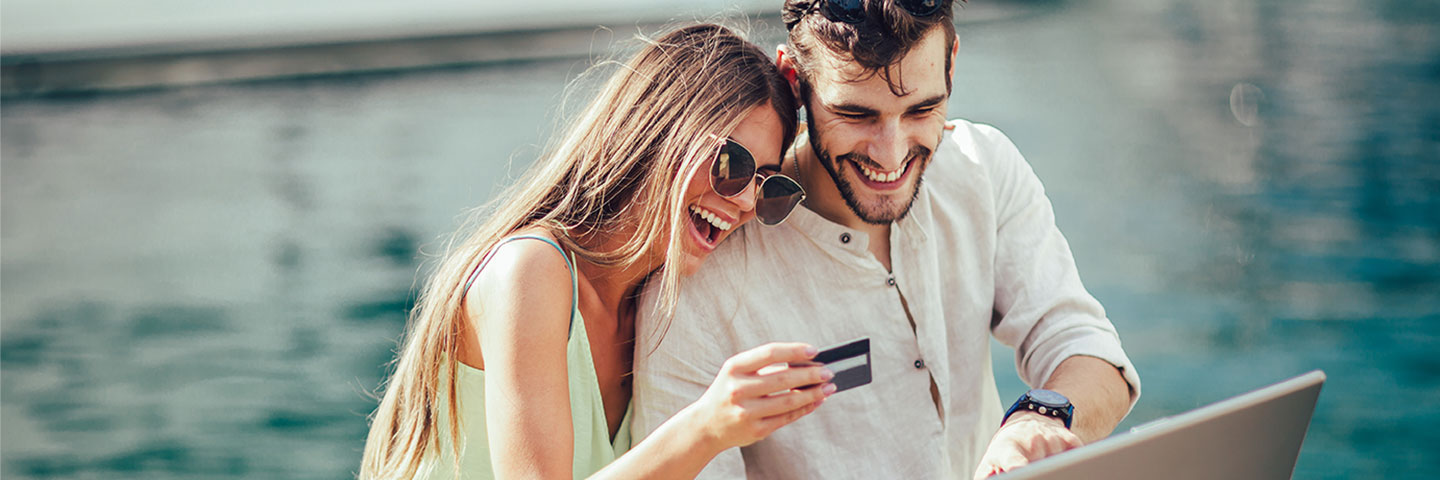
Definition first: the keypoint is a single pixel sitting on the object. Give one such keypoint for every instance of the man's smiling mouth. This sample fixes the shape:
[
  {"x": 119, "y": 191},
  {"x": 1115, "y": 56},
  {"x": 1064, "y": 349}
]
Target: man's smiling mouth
[
  {"x": 882, "y": 180},
  {"x": 884, "y": 177}
]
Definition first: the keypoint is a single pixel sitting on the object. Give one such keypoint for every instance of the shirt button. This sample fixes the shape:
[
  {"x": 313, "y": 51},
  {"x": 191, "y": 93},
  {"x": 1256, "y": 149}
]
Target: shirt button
[
  {"x": 920, "y": 363},
  {"x": 844, "y": 238},
  {"x": 890, "y": 281}
]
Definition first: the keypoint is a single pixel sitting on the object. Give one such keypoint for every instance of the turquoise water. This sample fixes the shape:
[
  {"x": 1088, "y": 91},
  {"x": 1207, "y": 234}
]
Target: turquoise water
[{"x": 205, "y": 282}]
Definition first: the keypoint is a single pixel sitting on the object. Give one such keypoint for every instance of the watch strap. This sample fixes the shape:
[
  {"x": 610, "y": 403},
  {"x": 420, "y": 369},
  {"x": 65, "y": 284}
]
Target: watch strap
[{"x": 1065, "y": 413}]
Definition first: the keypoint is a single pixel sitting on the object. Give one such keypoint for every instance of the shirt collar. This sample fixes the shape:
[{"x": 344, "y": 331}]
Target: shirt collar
[
  {"x": 827, "y": 234},
  {"x": 912, "y": 230}
]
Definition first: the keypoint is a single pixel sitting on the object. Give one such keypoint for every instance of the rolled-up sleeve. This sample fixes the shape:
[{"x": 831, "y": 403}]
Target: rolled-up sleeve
[{"x": 1042, "y": 309}]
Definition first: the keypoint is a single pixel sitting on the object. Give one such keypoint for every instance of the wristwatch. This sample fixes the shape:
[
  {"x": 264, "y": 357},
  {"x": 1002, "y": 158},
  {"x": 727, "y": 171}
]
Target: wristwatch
[{"x": 1044, "y": 402}]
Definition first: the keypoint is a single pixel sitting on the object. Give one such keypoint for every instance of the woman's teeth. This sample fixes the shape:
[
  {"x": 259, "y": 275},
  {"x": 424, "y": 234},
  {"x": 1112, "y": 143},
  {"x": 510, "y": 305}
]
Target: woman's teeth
[
  {"x": 882, "y": 177},
  {"x": 711, "y": 217}
]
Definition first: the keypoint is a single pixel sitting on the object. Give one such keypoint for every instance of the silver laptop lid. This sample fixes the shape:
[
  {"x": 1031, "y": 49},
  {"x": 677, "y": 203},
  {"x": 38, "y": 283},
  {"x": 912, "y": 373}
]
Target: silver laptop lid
[{"x": 1253, "y": 436}]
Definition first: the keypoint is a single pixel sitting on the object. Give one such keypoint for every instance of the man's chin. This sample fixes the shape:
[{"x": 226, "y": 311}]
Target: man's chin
[
  {"x": 877, "y": 207},
  {"x": 881, "y": 212}
]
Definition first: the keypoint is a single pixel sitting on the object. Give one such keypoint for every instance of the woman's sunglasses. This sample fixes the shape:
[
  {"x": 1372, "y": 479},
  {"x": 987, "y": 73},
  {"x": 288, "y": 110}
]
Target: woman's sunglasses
[
  {"x": 734, "y": 168},
  {"x": 853, "y": 11}
]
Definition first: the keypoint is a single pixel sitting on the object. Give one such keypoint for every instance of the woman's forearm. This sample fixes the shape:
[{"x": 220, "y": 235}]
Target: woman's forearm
[
  {"x": 741, "y": 407},
  {"x": 679, "y": 448}
]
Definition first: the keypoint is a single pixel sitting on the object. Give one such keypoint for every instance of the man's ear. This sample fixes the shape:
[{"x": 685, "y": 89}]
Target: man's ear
[
  {"x": 786, "y": 64},
  {"x": 954, "y": 53}
]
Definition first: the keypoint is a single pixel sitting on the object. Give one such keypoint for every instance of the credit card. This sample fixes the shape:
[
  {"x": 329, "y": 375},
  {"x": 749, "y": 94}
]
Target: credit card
[{"x": 850, "y": 361}]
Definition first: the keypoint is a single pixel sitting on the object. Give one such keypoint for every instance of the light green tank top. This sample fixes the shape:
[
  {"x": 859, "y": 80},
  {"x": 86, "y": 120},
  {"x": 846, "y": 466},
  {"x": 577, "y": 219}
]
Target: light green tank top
[{"x": 593, "y": 448}]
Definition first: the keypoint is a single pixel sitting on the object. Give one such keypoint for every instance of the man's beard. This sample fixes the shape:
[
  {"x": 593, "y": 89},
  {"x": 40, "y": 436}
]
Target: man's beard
[{"x": 876, "y": 214}]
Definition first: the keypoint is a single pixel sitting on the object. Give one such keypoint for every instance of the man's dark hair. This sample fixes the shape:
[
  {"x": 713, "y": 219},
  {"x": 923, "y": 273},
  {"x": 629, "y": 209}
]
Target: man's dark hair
[{"x": 876, "y": 44}]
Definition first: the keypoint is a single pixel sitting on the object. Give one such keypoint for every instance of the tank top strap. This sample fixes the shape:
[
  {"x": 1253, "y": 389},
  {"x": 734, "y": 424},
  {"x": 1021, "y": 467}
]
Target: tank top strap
[{"x": 569, "y": 265}]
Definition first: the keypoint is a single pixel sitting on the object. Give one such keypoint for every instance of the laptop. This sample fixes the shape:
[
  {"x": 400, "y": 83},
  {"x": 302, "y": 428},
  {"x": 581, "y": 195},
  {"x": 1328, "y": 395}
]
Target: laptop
[{"x": 1253, "y": 436}]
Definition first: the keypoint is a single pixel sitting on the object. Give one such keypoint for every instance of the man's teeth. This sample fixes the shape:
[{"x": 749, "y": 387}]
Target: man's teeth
[
  {"x": 882, "y": 177},
  {"x": 710, "y": 217}
]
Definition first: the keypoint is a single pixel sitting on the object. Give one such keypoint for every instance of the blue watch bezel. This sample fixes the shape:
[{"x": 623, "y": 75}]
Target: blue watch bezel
[{"x": 1064, "y": 411}]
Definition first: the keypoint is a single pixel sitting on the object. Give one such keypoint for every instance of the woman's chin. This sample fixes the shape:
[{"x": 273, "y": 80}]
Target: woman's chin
[{"x": 691, "y": 262}]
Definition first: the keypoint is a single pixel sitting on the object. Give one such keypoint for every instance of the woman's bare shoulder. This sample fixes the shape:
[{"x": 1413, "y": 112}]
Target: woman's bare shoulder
[{"x": 524, "y": 278}]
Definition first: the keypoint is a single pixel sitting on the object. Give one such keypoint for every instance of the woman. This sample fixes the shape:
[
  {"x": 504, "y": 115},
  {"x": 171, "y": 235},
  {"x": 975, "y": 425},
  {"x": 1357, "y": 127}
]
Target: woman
[{"x": 518, "y": 355}]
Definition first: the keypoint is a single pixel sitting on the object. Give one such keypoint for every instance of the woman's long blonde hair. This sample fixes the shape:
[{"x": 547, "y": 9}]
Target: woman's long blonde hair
[{"x": 623, "y": 159}]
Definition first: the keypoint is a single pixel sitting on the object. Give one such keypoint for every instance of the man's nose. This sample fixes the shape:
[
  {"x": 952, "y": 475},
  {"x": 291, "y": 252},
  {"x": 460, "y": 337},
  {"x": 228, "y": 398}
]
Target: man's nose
[{"x": 888, "y": 147}]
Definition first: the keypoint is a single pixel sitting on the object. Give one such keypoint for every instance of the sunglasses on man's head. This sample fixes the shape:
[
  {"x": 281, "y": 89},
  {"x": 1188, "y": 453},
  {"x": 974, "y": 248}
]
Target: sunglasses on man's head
[
  {"x": 733, "y": 170},
  {"x": 853, "y": 11}
]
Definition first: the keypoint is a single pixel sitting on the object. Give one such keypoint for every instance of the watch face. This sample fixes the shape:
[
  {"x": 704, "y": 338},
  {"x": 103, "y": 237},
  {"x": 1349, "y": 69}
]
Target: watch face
[{"x": 1049, "y": 398}]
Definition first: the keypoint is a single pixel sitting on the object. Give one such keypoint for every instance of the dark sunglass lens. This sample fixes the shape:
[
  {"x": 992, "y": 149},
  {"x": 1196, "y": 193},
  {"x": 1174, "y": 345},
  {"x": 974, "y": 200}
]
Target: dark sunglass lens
[
  {"x": 732, "y": 170},
  {"x": 778, "y": 197},
  {"x": 776, "y": 186},
  {"x": 921, "y": 8},
  {"x": 848, "y": 11}
]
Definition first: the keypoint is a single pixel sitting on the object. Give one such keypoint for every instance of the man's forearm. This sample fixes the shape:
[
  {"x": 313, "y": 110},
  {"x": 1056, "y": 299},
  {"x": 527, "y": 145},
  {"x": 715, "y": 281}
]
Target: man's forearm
[{"x": 1097, "y": 390}]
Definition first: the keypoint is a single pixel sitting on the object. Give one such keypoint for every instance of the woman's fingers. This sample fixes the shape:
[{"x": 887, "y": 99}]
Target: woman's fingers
[
  {"x": 774, "y": 422},
  {"x": 750, "y": 361},
  {"x": 783, "y": 403},
  {"x": 784, "y": 379},
  {"x": 746, "y": 405}
]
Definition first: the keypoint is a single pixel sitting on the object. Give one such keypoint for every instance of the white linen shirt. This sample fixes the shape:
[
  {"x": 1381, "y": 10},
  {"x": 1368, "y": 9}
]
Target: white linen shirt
[{"x": 978, "y": 254}]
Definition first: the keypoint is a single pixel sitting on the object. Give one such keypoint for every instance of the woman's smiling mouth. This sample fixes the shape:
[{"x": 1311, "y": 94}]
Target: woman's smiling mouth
[{"x": 708, "y": 227}]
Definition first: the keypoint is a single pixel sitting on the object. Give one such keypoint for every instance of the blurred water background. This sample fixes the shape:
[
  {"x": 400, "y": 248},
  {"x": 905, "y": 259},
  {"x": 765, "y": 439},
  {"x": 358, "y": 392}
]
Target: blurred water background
[{"x": 203, "y": 280}]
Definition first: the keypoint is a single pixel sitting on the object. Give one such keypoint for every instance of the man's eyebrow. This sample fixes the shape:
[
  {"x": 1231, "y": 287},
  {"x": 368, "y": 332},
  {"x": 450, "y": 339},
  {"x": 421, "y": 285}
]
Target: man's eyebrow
[
  {"x": 931, "y": 102},
  {"x": 854, "y": 109}
]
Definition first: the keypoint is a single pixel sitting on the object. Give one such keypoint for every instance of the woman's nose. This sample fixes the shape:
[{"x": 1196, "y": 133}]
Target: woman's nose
[{"x": 746, "y": 199}]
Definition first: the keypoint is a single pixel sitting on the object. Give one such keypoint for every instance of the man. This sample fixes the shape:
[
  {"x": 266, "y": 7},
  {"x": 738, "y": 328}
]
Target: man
[{"x": 927, "y": 270}]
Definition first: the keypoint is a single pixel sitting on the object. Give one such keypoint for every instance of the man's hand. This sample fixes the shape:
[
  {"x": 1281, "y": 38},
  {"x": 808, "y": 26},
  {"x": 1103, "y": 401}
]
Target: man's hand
[{"x": 1024, "y": 438}]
